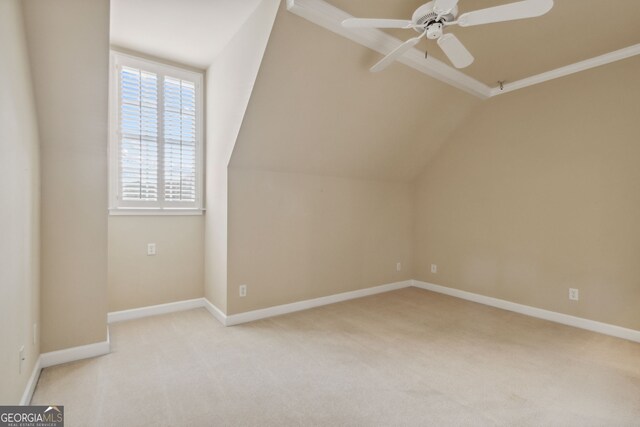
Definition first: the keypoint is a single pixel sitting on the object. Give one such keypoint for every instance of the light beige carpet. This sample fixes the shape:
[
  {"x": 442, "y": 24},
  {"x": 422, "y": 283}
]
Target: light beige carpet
[{"x": 403, "y": 358}]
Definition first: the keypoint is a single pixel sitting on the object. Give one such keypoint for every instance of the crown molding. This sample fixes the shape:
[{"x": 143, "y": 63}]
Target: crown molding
[
  {"x": 597, "y": 61},
  {"x": 330, "y": 17}
]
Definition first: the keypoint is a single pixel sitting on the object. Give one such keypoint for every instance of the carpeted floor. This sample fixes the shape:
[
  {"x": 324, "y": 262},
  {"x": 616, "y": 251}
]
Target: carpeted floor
[{"x": 404, "y": 358}]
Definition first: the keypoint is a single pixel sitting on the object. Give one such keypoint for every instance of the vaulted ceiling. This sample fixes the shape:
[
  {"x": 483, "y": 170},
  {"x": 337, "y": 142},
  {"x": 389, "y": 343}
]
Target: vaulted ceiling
[
  {"x": 316, "y": 109},
  {"x": 574, "y": 30}
]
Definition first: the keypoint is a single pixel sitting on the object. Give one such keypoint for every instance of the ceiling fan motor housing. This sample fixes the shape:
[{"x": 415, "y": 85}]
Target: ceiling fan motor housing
[{"x": 425, "y": 17}]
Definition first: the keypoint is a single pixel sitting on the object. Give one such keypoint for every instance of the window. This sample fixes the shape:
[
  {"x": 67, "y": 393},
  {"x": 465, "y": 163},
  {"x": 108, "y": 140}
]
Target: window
[{"x": 156, "y": 138}]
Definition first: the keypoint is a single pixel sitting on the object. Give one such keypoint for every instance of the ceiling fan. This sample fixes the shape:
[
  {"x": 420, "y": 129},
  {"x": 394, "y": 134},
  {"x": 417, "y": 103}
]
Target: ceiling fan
[{"x": 431, "y": 18}]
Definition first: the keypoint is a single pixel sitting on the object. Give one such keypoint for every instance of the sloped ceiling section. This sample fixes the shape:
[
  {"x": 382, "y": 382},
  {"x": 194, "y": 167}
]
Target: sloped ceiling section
[{"x": 316, "y": 109}]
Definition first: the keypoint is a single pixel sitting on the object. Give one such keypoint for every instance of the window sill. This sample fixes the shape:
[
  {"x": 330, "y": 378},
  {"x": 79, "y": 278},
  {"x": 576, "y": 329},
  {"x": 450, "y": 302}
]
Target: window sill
[{"x": 154, "y": 211}]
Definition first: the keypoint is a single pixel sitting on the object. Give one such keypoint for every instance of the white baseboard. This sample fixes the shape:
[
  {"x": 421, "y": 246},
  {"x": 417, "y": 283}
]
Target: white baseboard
[
  {"x": 565, "y": 319},
  {"x": 31, "y": 384},
  {"x": 75, "y": 353},
  {"x": 249, "y": 316},
  {"x": 153, "y": 310},
  {"x": 172, "y": 307},
  {"x": 215, "y": 311},
  {"x": 46, "y": 360}
]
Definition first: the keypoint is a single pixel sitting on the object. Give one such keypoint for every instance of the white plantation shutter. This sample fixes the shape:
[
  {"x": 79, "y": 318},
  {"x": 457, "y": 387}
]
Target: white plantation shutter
[
  {"x": 138, "y": 135},
  {"x": 179, "y": 140},
  {"x": 157, "y": 145}
]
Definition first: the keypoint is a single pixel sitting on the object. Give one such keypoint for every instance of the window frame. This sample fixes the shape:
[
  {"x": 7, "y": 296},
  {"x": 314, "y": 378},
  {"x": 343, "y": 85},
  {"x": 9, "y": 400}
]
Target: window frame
[{"x": 159, "y": 207}]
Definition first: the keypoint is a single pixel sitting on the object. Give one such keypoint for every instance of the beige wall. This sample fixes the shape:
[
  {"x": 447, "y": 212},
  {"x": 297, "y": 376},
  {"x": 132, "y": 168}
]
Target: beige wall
[
  {"x": 539, "y": 191},
  {"x": 68, "y": 44},
  {"x": 319, "y": 193},
  {"x": 319, "y": 184},
  {"x": 19, "y": 210},
  {"x": 175, "y": 273},
  {"x": 229, "y": 83},
  {"x": 294, "y": 237}
]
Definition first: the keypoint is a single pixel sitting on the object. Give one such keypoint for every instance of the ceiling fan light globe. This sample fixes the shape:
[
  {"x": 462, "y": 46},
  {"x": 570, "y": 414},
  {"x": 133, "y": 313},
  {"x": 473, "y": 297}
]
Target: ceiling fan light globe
[{"x": 434, "y": 31}]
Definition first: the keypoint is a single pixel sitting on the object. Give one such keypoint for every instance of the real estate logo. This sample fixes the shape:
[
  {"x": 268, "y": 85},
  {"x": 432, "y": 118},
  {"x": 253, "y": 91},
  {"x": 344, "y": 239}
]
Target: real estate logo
[{"x": 31, "y": 416}]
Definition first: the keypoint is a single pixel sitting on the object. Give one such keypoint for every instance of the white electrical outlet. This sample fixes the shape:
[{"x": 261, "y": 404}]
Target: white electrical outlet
[
  {"x": 243, "y": 290},
  {"x": 151, "y": 249},
  {"x": 574, "y": 294},
  {"x": 398, "y": 266},
  {"x": 21, "y": 359},
  {"x": 434, "y": 268}
]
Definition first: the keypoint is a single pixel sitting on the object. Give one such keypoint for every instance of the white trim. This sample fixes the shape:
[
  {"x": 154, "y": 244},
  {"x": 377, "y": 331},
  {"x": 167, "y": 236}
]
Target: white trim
[
  {"x": 250, "y": 316},
  {"x": 31, "y": 384},
  {"x": 215, "y": 311},
  {"x": 75, "y": 353},
  {"x": 330, "y": 17},
  {"x": 597, "y": 61},
  {"x": 154, "y": 310},
  {"x": 565, "y": 319},
  {"x": 154, "y": 211}
]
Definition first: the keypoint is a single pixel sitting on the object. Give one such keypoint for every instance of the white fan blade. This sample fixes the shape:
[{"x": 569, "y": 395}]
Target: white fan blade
[
  {"x": 508, "y": 12},
  {"x": 396, "y": 53},
  {"x": 376, "y": 23},
  {"x": 455, "y": 51},
  {"x": 444, "y": 6}
]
